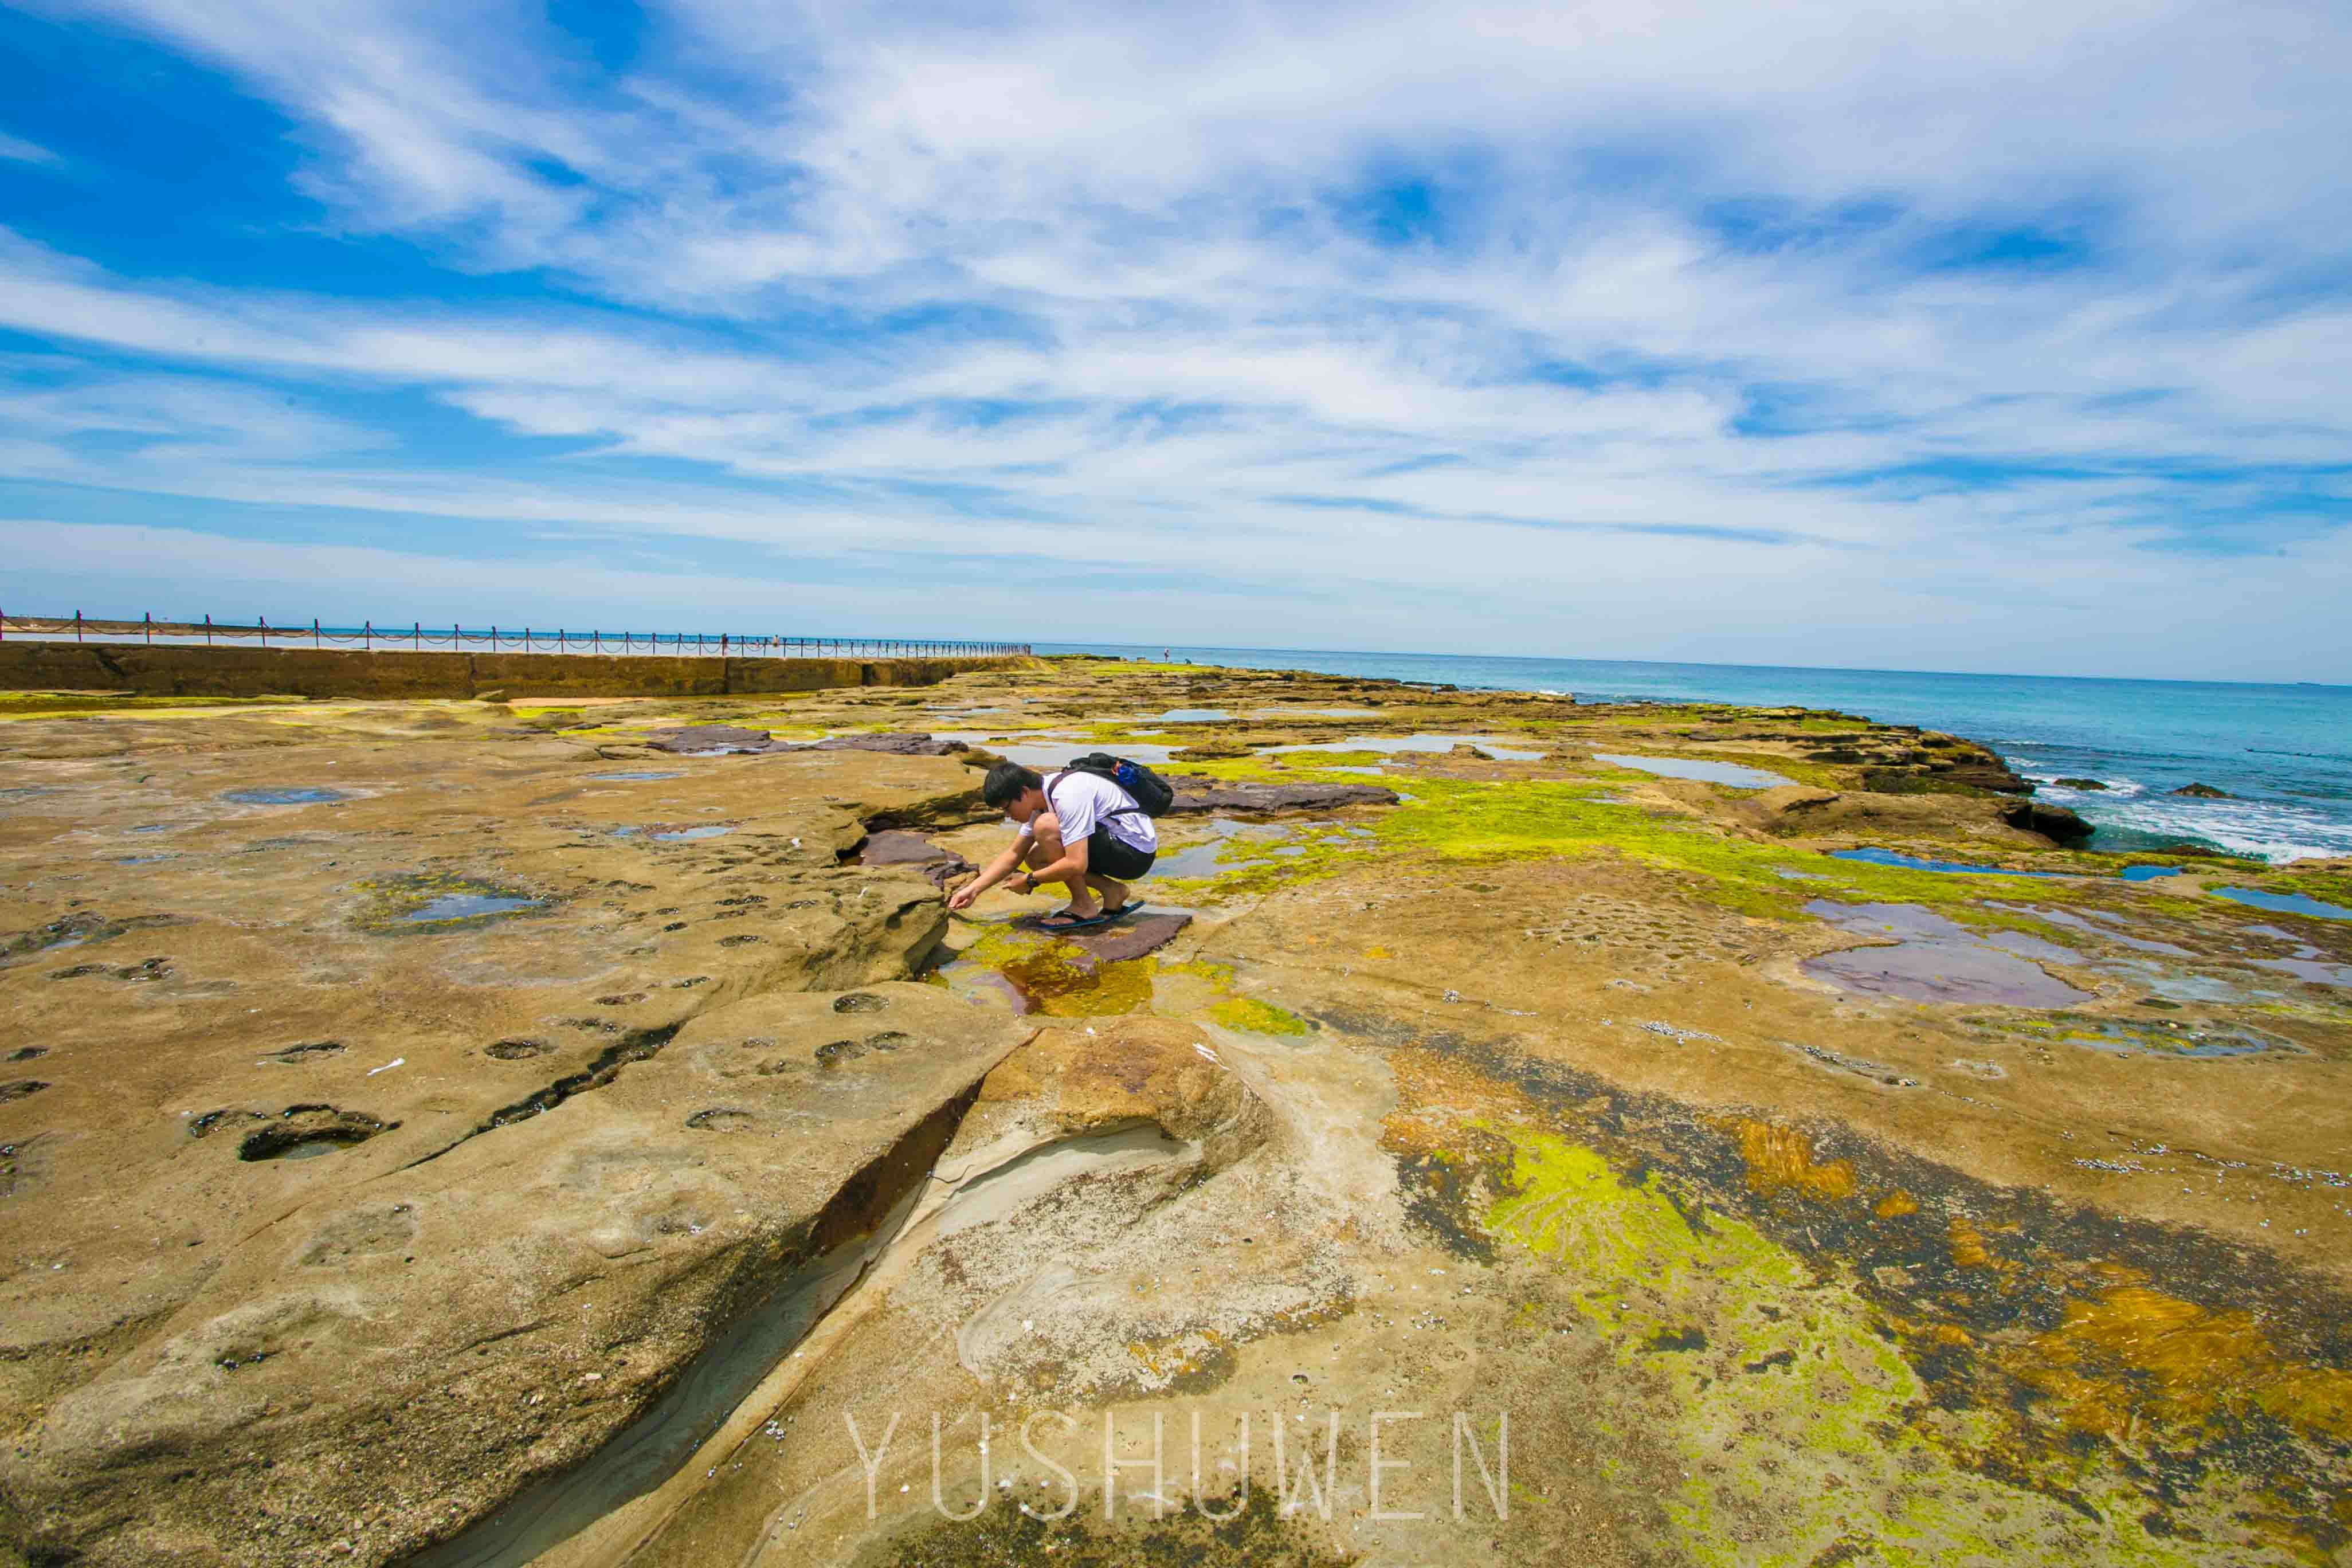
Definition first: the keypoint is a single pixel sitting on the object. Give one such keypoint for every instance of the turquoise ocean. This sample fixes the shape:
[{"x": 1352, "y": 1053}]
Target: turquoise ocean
[{"x": 2283, "y": 753}]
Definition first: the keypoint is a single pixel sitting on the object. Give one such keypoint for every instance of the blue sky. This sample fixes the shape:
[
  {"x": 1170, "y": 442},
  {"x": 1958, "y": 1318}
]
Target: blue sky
[{"x": 1998, "y": 336}]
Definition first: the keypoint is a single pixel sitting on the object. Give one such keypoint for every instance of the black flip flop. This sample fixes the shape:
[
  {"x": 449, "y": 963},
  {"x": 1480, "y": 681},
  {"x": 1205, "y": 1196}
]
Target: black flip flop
[
  {"x": 1126, "y": 909},
  {"x": 1052, "y": 923}
]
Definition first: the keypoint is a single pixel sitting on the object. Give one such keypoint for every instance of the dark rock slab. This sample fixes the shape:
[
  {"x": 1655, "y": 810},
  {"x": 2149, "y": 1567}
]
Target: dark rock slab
[
  {"x": 898, "y": 746},
  {"x": 734, "y": 739},
  {"x": 896, "y": 847},
  {"x": 1198, "y": 794},
  {"x": 1133, "y": 938},
  {"x": 2203, "y": 791},
  {"x": 694, "y": 738},
  {"x": 2050, "y": 821}
]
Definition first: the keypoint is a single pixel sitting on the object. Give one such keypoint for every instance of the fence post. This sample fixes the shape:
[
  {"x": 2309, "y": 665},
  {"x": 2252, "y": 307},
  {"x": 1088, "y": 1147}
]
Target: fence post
[
  {"x": 208, "y": 631},
  {"x": 147, "y": 618},
  {"x": 264, "y": 623},
  {"x": 314, "y": 634},
  {"x": 418, "y": 632},
  {"x": 77, "y": 625},
  {"x": 367, "y": 636}
]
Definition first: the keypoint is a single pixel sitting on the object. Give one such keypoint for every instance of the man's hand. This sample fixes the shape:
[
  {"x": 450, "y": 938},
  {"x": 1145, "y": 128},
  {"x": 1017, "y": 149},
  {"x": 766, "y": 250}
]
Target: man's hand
[{"x": 962, "y": 897}]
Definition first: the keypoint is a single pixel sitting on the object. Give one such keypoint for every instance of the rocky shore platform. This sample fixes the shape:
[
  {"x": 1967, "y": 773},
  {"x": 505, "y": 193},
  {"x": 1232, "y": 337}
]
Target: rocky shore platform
[{"x": 461, "y": 1133}]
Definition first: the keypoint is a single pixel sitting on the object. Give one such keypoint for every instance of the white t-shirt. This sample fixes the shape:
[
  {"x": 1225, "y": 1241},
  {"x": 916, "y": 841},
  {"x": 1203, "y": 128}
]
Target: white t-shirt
[{"x": 1084, "y": 800}]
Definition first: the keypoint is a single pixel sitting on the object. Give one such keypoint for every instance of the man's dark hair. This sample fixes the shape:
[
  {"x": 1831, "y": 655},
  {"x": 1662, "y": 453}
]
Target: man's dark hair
[{"x": 1008, "y": 781}]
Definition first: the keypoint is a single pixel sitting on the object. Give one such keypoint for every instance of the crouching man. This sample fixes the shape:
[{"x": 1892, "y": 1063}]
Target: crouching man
[{"x": 1076, "y": 828}]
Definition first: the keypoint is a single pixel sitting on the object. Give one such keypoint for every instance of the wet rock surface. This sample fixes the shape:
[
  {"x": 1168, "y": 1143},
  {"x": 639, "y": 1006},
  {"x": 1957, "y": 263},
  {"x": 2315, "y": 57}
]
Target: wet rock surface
[
  {"x": 900, "y": 846},
  {"x": 707, "y": 740},
  {"x": 1476, "y": 1075},
  {"x": 1131, "y": 936},
  {"x": 1194, "y": 795},
  {"x": 894, "y": 745}
]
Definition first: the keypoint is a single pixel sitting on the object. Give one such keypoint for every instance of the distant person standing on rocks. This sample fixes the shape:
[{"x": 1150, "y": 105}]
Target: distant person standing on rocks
[{"x": 1077, "y": 829}]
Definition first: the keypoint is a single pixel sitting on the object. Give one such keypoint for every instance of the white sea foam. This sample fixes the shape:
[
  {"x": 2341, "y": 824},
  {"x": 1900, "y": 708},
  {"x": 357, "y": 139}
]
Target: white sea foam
[{"x": 2275, "y": 830}]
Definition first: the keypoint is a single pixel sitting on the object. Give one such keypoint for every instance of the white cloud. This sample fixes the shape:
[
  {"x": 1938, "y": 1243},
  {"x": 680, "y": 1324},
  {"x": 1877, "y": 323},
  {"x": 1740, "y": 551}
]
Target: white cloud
[{"x": 892, "y": 287}]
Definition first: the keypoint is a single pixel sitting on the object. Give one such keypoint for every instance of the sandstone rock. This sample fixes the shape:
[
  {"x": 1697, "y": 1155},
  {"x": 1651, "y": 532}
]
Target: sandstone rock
[
  {"x": 899, "y": 745},
  {"x": 1214, "y": 749},
  {"x": 2079, "y": 784},
  {"x": 1200, "y": 795},
  {"x": 897, "y": 846},
  {"x": 509, "y": 1302},
  {"x": 1130, "y": 1070},
  {"x": 1783, "y": 799},
  {"x": 490, "y": 697},
  {"x": 1784, "y": 807}
]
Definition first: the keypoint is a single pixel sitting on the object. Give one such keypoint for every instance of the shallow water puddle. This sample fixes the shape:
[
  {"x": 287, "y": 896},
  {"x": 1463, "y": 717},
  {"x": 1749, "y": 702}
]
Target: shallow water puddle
[
  {"x": 1232, "y": 840},
  {"x": 467, "y": 907},
  {"x": 1934, "y": 959},
  {"x": 2155, "y": 1037},
  {"x": 1058, "y": 980},
  {"x": 669, "y": 835},
  {"x": 1730, "y": 774},
  {"x": 638, "y": 773},
  {"x": 2173, "y": 986},
  {"x": 1190, "y": 716},
  {"x": 2148, "y": 873},
  {"x": 1872, "y": 856},
  {"x": 311, "y": 1149},
  {"x": 2284, "y": 903},
  {"x": 282, "y": 797},
  {"x": 2308, "y": 963},
  {"x": 2078, "y": 923}
]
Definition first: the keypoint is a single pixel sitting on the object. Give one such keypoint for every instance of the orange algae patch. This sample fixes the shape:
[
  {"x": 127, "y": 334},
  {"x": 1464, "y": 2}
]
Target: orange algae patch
[
  {"x": 1436, "y": 1095},
  {"x": 1896, "y": 1205},
  {"x": 1781, "y": 1159},
  {"x": 1967, "y": 1247},
  {"x": 2132, "y": 1351}
]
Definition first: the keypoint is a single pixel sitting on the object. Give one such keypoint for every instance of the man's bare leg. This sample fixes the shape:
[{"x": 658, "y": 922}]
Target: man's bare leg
[
  {"x": 1045, "y": 849},
  {"x": 1115, "y": 893}
]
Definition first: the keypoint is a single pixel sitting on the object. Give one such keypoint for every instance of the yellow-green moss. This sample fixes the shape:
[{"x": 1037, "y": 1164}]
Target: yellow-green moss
[
  {"x": 1256, "y": 1018},
  {"x": 1800, "y": 1424}
]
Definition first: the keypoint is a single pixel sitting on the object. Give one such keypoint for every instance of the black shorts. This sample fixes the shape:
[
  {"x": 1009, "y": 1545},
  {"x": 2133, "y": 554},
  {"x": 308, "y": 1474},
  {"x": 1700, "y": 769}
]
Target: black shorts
[{"x": 1109, "y": 856}]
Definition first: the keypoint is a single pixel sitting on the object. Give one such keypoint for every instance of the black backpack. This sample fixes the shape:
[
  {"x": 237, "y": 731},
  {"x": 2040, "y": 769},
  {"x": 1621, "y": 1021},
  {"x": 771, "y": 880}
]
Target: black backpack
[{"x": 1152, "y": 792}]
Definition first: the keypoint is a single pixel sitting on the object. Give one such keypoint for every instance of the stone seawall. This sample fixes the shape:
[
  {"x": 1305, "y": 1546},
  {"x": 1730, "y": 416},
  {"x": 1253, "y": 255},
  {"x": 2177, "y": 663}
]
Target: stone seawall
[{"x": 179, "y": 671}]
